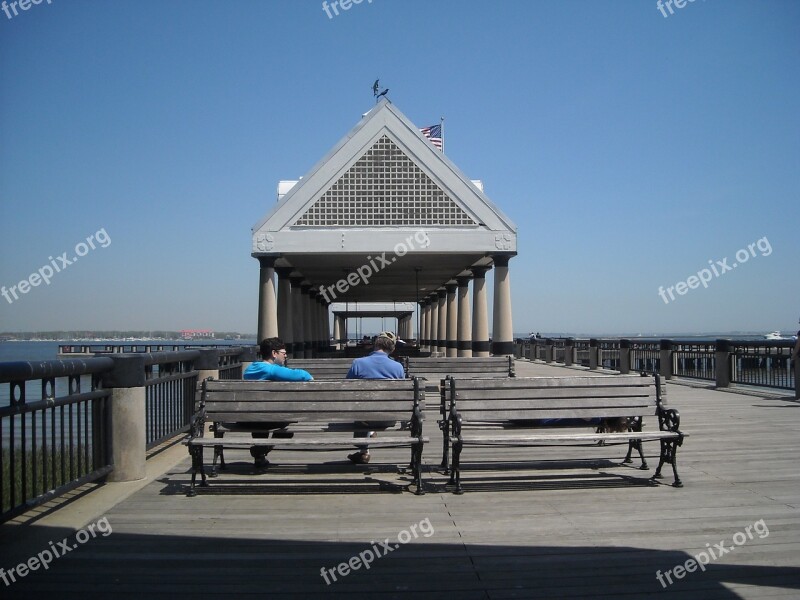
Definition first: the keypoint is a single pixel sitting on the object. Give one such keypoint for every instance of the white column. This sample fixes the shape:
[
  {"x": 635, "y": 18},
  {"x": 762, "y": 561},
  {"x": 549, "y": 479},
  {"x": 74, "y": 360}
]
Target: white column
[
  {"x": 452, "y": 320},
  {"x": 267, "y": 299},
  {"x": 285, "y": 309},
  {"x": 502, "y": 331},
  {"x": 480, "y": 316},
  {"x": 464, "y": 341}
]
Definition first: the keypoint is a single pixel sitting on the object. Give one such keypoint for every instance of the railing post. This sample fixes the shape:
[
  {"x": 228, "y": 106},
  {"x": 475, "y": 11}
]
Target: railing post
[
  {"x": 247, "y": 357},
  {"x": 593, "y": 359},
  {"x": 665, "y": 356},
  {"x": 722, "y": 363},
  {"x": 128, "y": 417},
  {"x": 207, "y": 364},
  {"x": 548, "y": 350},
  {"x": 569, "y": 351},
  {"x": 624, "y": 357}
]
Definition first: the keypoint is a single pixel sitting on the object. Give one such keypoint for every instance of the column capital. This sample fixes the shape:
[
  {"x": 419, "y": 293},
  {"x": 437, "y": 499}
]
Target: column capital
[
  {"x": 451, "y": 287},
  {"x": 442, "y": 293},
  {"x": 305, "y": 286},
  {"x": 284, "y": 272},
  {"x": 501, "y": 260},
  {"x": 296, "y": 280},
  {"x": 479, "y": 272},
  {"x": 267, "y": 262},
  {"x": 463, "y": 280}
]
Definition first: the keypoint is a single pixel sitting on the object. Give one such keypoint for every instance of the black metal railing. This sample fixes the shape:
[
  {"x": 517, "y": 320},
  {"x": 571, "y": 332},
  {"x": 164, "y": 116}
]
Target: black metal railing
[
  {"x": 645, "y": 356},
  {"x": 54, "y": 430},
  {"x": 582, "y": 352},
  {"x": 765, "y": 364},
  {"x": 230, "y": 363},
  {"x": 170, "y": 385},
  {"x": 608, "y": 354},
  {"x": 695, "y": 360}
]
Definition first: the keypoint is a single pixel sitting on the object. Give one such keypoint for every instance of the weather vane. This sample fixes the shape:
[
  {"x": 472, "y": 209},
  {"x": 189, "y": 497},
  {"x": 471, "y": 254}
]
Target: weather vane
[{"x": 375, "y": 87}]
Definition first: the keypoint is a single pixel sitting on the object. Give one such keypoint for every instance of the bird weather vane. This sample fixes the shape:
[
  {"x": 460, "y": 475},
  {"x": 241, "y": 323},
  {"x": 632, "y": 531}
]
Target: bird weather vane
[{"x": 375, "y": 87}]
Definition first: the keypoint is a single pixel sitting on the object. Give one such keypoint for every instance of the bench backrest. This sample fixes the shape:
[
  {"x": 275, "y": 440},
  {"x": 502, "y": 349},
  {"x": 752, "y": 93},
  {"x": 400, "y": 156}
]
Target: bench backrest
[
  {"x": 342, "y": 401},
  {"x": 524, "y": 398},
  {"x": 462, "y": 367},
  {"x": 322, "y": 369}
]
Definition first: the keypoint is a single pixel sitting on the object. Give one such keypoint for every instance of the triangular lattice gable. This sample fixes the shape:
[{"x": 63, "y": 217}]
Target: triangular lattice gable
[{"x": 385, "y": 188}]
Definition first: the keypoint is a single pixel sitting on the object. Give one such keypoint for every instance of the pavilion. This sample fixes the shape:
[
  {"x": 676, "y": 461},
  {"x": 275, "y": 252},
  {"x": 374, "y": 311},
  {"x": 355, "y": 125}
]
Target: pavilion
[{"x": 385, "y": 217}]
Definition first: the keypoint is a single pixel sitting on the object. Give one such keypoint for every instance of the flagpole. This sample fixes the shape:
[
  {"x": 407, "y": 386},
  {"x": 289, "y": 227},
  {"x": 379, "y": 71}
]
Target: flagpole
[{"x": 441, "y": 126}]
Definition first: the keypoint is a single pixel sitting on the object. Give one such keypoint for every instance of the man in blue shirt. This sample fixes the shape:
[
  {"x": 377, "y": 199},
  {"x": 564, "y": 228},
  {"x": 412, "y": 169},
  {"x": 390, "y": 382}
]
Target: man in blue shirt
[
  {"x": 270, "y": 368},
  {"x": 376, "y": 365}
]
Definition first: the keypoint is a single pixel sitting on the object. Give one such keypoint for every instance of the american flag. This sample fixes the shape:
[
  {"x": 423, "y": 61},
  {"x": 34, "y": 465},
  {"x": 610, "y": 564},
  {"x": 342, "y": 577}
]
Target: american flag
[{"x": 434, "y": 134}]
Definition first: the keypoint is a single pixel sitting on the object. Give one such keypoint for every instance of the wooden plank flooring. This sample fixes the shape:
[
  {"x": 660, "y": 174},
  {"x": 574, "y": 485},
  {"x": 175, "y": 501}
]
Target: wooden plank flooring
[{"x": 562, "y": 522}]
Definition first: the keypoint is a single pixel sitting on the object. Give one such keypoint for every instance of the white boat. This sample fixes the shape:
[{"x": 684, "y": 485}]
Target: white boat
[{"x": 775, "y": 335}]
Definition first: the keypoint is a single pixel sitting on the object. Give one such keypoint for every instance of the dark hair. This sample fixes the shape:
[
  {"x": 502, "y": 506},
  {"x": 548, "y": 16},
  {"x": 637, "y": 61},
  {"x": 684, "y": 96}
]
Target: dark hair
[{"x": 267, "y": 345}]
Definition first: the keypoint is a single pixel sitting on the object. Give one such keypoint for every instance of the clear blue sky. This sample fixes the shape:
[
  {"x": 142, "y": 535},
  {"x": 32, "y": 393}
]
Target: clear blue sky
[{"x": 629, "y": 148}]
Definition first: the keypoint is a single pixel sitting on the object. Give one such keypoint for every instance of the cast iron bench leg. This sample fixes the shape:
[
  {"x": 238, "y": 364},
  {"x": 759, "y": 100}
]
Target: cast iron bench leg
[
  {"x": 197, "y": 466},
  {"x": 669, "y": 449},
  {"x": 455, "y": 471}
]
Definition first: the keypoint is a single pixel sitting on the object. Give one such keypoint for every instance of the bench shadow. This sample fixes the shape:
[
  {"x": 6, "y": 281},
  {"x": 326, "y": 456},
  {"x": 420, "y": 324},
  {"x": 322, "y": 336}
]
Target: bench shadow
[{"x": 245, "y": 557}]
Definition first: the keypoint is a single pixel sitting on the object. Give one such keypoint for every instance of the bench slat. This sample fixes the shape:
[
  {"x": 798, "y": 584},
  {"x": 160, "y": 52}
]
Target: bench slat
[
  {"x": 303, "y": 417},
  {"x": 558, "y": 395},
  {"x": 298, "y": 442},
  {"x": 564, "y": 413},
  {"x": 571, "y": 437},
  {"x": 556, "y": 382},
  {"x": 371, "y": 385},
  {"x": 311, "y": 396}
]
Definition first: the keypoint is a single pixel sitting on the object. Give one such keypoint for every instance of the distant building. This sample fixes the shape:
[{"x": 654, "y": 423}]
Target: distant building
[{"x": 194, "y": 334}]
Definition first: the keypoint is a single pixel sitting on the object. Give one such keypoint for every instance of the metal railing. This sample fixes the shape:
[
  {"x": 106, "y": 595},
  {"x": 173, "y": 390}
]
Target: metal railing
[
  {"x": 230, "y": 363},
  {"x": 54, "y": 432},
  {"x": 765, "y": 364},
  {"x": 608, "y": 354},
  {"x": 695, "y": 360},
  {"x": 170, "y": 384},
  {"x": 645, "y": 356}
]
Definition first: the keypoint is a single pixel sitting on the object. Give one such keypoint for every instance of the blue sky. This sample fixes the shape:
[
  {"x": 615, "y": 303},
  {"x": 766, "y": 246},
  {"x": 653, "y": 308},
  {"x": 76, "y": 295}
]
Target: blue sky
[{"x": 629, "y": 148}]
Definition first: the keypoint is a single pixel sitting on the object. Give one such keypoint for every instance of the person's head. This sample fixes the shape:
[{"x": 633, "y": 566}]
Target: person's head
[
  {"x": 273, "y": 350},
  {"x": 385, "y": 342}
]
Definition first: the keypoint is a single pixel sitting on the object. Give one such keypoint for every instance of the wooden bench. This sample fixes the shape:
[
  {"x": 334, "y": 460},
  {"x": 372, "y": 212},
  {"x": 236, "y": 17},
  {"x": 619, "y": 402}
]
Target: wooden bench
[
  {"x": 524, "y": 406},
  {"x": 435, "y": 369},
  {"x": 325, "y": 411},
  {"x": 322, "y": 369}
]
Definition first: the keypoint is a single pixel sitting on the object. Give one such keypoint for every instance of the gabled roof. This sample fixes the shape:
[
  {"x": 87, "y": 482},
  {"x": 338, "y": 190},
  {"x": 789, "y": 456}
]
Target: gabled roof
[
  {"x": 381, "y": 182},
  {"x": 385, "y": 132}
]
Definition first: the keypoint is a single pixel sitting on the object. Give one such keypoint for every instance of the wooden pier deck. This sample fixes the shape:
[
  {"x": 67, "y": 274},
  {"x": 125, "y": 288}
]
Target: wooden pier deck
[{"x": 574, "y": 522}]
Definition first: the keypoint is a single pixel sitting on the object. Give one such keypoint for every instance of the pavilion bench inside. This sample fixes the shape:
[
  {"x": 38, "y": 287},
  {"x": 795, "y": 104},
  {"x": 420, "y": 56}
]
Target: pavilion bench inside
[
  {"x": 324, "y": 414},
  {"x": 529, "y": 411}
]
